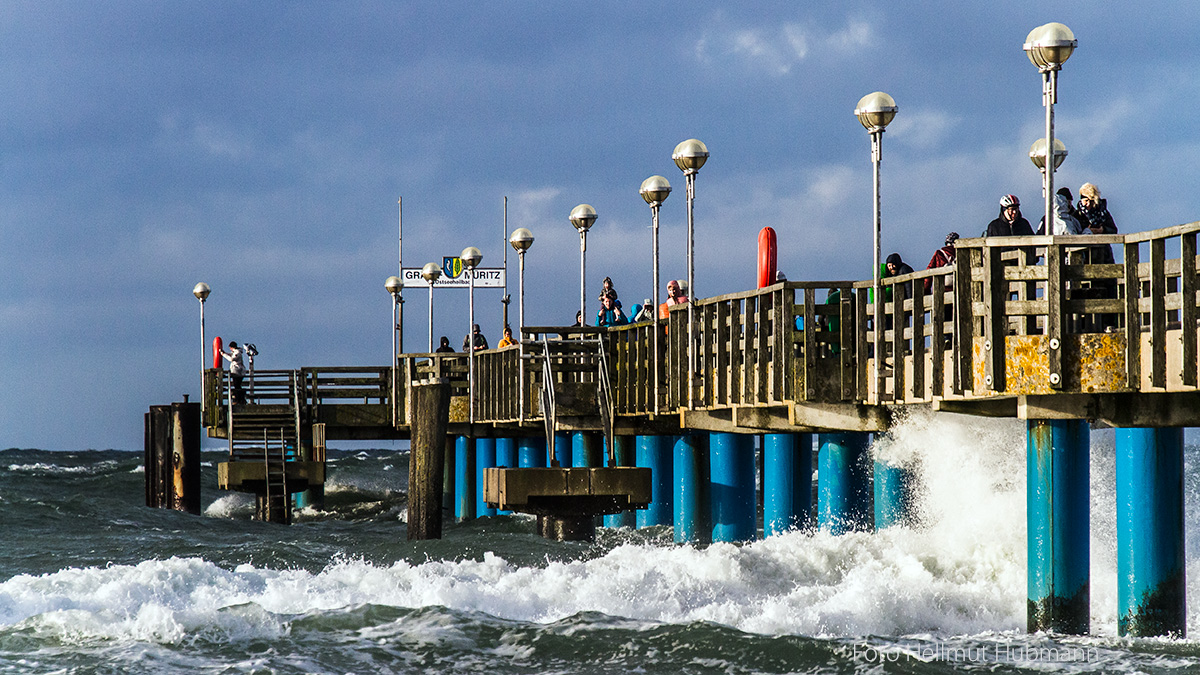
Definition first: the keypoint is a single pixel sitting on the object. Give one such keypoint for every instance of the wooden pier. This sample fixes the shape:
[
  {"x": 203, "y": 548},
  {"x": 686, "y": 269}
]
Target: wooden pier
[{"x": 1023, "y": 327}]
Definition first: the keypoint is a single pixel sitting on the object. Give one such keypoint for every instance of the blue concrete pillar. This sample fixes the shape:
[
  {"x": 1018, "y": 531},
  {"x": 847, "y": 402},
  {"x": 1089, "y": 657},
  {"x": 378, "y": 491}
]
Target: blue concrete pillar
[
  {"x": 895, "y": 500},
  {"x": 506, "y": 456},
  {"x": 654, "y": 452},
  {"x": 787, "y": 482},
  {"x": 1151, "y": 579},
  {"x": 586, "y": 449},
  {"x": 692, "y": 506},
  {"x": 464, "y": 478},
  {"x": 531, "y": 452},
  {"x": 623, "y": 447},
  {"x": 485, "y": 458},
  {"x": 844, "y": 483},
  {"x": 1057, "y": 511},
  {"x": 562, "y": 449},
  {"x": 732, "y": 493}
]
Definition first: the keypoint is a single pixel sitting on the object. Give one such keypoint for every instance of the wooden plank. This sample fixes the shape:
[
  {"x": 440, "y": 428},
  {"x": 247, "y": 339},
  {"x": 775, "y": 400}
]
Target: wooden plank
[
  {"x": 899, "y": 345},
  {"x": 963, "y": 375},
  {"x": 1158, "y": 314},
  {"x": 763, "y": 348},
  {"x": 1055, "y": 294},
  {"x": 848, "y": 328},
  {"x": 724, "y": 337},
  {"x": 750, "y": 362},
  {"x": 861, "y": 308},
  {"x": 937, "y": 339},
  {"x": 809, "y": 351},
  {"x": 995, "y": 327},
  {"x": 917, "y": 386},
  {"x": 782, "y": 342},
  {"x": 735, "y": 351},
  {"x": 1187, "y": 310}
]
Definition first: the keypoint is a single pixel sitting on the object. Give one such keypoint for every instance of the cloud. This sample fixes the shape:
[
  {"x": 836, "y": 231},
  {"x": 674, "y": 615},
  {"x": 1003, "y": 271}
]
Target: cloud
[
  {"x": 778, "y": 49},
  {"x": 922, "y": 129}
]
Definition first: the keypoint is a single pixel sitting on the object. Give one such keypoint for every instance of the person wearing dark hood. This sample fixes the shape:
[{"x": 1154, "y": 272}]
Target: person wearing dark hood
[
  {"x": 895, "y": 267},
  {"x": 1065, "y": 221},
  {"x": 942, "y": 257},
  {"x": 1010, "y": 222}
]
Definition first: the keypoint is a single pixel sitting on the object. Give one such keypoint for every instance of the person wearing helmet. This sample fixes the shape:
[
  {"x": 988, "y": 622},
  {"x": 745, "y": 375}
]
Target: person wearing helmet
[
  {"x": 1010, "y": 222},
  {"x": 942, "y": 257}
]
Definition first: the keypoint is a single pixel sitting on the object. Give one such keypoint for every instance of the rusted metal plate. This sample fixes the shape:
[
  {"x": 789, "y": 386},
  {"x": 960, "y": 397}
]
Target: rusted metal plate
[{"x": 1094, "y": 363}]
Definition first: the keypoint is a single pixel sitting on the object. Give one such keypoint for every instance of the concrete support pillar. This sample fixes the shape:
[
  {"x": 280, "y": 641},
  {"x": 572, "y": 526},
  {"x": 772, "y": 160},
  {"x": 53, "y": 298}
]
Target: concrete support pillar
[
  {"x": 844, "y": 483},
  {"x": 654, "y": 453},
  {"x": 1151, "y": 579},
  {"x": 1057, "y": 511},
  {"x": 692, "y": 505},
  {"x": 531, "y": 452},
  {"x": 787, "y": 482},
  {"x": 506, "y": 456},
  {"x": 732, "y": 491},
  {"x": 464, "y": 478},
  {"x": 624, "y": 448},
  {"x": 895, "y": 503},
  {"x": 485, "y": 458}
]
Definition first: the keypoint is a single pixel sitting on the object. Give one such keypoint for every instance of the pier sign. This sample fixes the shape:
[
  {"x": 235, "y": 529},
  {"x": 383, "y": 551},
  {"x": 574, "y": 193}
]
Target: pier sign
[{"x": 485, "y": 277}]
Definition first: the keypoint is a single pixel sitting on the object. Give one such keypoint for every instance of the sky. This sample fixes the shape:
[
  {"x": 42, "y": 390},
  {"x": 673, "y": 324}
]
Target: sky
[{"x": 262, "y": 147}]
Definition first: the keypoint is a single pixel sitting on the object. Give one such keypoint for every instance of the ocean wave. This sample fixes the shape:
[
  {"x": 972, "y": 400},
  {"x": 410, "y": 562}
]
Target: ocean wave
[{"x": 44, "y": 469}]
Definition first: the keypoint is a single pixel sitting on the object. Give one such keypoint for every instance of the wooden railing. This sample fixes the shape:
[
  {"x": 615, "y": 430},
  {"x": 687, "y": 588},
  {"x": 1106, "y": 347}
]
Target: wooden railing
[{"x": 1012, "y": 316}]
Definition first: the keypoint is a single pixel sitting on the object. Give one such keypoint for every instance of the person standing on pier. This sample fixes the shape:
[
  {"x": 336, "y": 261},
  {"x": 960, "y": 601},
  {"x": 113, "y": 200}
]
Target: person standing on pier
[
  {"x": 1010, "y": 222},
  {"x": 941, "y": 258},
  {"x": 237, "y": 370},
  {"x": 610, "y": 314},
  {"x": 475, "y": 339},
  {"x": 507, "y": 340},
  {"x": 675, "y": 296},
  {"x": 444, "y": 347}
]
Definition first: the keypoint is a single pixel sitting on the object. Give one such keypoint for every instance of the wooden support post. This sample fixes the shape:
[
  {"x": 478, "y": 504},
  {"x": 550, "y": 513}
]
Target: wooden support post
[
  {"x": 1187, "y": 307},
  {"x": 1056, "y": 296},
  {"x": 157, "y": 459},
  {"x": 1158, "y": 314},
  {"x": 937, "y": 338},
  {"x": 917, "y": 384},
  {"x": 185, "y": 457},
  {"x": 964, "y": 313},
  {"x": 431, "y": 403},
  {"x": 1133, "y": 317},
  {"x": 898, "y": 345},
  {"x": 995, "y": 328}
]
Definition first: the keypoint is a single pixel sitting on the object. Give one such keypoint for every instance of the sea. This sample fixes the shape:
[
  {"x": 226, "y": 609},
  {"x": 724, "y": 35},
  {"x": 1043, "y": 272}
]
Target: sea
[{"x": 92, "y": 581}]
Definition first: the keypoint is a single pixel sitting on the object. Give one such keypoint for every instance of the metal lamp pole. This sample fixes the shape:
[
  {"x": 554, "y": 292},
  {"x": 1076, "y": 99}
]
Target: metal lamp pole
[
  {"x": 201, "y": 292},
  {"x": 431, "y": 273},
  {"x": 655, "y": 190},
  {"x": 393, "y": 286},
  {"x": 1048, "y": 47},
  {"x": 521, "y": 240},
  {"x": 875, "y": 111},
  {"x": 689, "y": 156},
  {"x": 583, "y": 217},
  {"x": 471, "y": 257}
]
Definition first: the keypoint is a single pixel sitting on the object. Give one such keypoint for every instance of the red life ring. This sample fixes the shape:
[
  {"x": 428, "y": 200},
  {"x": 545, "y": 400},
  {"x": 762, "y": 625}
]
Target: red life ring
[{"x": 217, "y": 352}]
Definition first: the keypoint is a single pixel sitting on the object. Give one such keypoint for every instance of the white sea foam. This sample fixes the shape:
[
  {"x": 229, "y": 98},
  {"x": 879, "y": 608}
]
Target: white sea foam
[
  {"x": 962, "y": 572},
  {"x": 42, "y": 468},
  {"x": 232, "y": 505}
]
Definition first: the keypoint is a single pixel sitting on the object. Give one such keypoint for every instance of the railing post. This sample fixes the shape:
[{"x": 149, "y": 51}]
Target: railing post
[
  {"x": 995, "y": 293},
  {"x": 1056, "y": 295},
  {"x": 1187, "y": 307},
  {"x": 964, "y": 312},
  {"x": 1133, "y": 317},
  {"x": 1158, "y": 314}
]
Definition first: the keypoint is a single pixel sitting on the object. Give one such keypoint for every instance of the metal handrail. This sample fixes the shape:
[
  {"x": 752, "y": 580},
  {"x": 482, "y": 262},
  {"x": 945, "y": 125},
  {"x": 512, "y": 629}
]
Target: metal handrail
[
  {"x": 549, "y": 414},
  {"x": 607, "y": 410}
]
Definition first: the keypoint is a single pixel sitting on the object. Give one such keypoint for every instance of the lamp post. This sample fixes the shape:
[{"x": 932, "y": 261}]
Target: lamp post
[
  {"x": 201, "y": 291},
  {"x": 655, "y": 190},
  {"x": 583, "y": 217},
  {"x": 521, "y": 240},
  {"x": 689, "y": 156},
  {"x": 875, "y": 111},
  {"x": 393, "y": 286},
  {"x": 431, "y": 273},
  {"x": 1048, "y": 47},
  {"x": 471, "y": 257},
  {"x": 1037, "y": 155}
]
